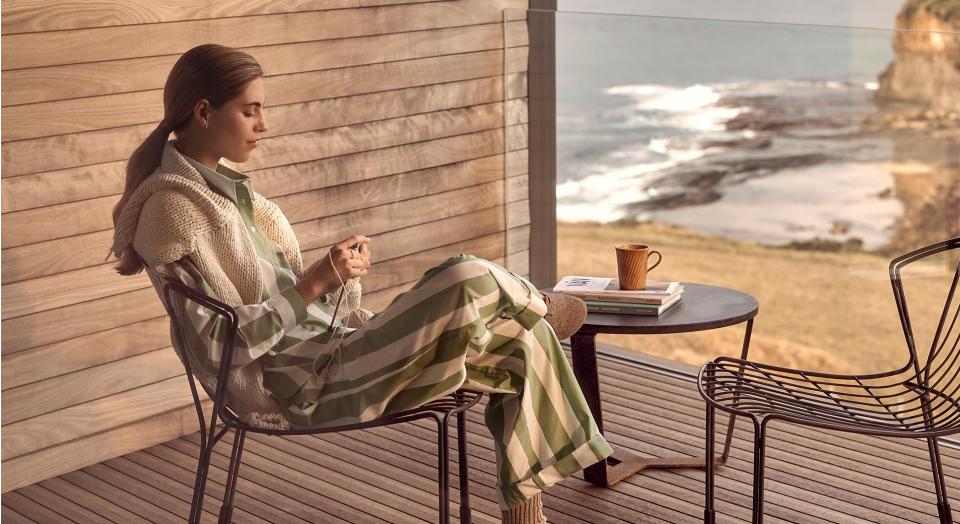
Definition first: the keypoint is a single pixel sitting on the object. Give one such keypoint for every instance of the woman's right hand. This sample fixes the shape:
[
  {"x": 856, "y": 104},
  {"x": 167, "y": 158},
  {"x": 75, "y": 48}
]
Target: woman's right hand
[
  {"x": 320, "y": 278},
  {"x": 346, "y": 262}
]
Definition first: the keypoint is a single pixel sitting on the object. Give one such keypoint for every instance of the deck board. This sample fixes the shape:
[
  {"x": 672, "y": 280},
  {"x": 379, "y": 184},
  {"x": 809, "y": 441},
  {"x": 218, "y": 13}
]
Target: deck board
[
  {"x": 388, "y": 474},
  {"x": 46, "y": 500}
]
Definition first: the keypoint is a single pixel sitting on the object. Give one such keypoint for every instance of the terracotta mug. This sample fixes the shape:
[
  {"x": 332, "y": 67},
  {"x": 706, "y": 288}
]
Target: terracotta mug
[{"x": 632, "y": 260}]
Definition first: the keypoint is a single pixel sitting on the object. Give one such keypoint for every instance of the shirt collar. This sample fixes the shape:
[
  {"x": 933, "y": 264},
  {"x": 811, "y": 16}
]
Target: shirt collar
[{"x": 223, "y": 179}]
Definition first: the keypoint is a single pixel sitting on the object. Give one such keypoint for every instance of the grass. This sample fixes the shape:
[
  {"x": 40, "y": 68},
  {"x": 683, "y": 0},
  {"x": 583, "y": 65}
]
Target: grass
[{"x": 827, "y": 311}]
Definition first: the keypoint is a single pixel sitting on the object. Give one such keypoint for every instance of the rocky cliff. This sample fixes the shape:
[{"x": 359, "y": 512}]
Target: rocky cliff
[
  {"x": 919, "y": 95},
  {"x": 926, "y": 70}
]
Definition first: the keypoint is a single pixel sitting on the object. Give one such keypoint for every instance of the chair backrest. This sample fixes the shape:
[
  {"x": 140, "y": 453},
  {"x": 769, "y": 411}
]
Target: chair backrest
[
  {"x": 240, "y": 390},
  {"x": 939, "y": 371}
]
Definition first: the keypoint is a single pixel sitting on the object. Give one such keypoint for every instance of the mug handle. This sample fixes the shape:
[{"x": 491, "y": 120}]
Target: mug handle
[{"x": 659, "y": 259}]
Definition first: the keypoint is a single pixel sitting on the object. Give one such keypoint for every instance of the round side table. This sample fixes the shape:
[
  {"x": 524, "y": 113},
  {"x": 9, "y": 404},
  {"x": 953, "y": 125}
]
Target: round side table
[{"x": 702, "y": 307}]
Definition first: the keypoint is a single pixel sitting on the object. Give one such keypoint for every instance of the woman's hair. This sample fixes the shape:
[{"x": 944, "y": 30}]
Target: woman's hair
[{"x": 215, "y": 72}]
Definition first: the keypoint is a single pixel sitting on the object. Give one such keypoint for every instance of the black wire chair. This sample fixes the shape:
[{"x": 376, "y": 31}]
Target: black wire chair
[
  {"x": 439, "y": 410},
  {"x": 919, "y": 400}
]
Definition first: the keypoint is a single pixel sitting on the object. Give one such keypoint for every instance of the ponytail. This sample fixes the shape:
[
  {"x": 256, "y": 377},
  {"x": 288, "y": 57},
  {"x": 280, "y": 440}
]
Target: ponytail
[{"x": 144, "y": 160}]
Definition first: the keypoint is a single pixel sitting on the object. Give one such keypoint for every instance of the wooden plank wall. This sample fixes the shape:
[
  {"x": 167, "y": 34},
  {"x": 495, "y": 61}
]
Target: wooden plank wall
[{"x": 393, "y": 118}]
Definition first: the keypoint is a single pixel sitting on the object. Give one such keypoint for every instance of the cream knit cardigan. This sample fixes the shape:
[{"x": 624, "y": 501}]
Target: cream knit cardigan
[{"x": 173, "y": 214}]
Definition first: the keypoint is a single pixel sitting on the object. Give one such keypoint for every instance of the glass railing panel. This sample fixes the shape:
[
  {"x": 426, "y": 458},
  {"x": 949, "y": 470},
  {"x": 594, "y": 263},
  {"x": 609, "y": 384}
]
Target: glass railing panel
[{"x": 792, "y": 162}]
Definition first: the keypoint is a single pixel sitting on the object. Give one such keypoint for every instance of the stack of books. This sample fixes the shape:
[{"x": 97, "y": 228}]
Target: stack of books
[{"x": 603, "y": 295}]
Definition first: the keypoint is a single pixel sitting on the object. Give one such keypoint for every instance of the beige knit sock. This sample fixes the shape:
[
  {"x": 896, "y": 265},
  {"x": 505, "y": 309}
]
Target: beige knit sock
[{"x": 530, "y": 512}]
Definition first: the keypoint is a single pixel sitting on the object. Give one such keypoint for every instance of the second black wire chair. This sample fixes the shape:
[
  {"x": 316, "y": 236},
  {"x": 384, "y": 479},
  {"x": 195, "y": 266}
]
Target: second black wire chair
[
  {"x": 919, "y": 400},
  {"x": 439, "y": 410}
]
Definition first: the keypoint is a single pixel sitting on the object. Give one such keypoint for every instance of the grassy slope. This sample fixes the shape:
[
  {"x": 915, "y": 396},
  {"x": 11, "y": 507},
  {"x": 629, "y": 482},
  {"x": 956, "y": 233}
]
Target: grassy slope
[{"x": 826, "y": 311}]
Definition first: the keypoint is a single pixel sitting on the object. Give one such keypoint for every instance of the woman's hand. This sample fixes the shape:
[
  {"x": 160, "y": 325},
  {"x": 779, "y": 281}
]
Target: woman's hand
[
  {"x": 365, "y": 252},
  {"x": 348, "y": 259},
  {"x": 342, "y": 262}
]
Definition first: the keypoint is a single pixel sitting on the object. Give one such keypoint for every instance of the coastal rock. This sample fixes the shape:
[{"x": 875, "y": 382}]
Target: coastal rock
[
  {"x": 741, "y": 143},
  {"x": 926, "y": 69},
  {"x": 931, "y": 207},
  {"x": 692, "y": 184},
  {"x": 919, "y": 94}
]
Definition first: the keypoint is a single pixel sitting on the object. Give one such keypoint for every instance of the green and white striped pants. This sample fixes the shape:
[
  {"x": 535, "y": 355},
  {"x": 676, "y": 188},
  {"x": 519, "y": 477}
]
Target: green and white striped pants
[{"x": 467, "y": 323}]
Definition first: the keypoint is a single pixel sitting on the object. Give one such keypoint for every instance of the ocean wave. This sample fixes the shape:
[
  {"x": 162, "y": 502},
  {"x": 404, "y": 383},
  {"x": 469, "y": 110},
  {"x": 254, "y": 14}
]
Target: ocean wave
[
  {"x": 660, "y": 147},
  {"x": 587, "y": 213},
  {"x": 602, "y": 196},
  {"x": 667, "y": 98},
  {"x": 692, "y": 108},
  {"x": 677, "y": 153},
  {"x": 783, "y": 87}
]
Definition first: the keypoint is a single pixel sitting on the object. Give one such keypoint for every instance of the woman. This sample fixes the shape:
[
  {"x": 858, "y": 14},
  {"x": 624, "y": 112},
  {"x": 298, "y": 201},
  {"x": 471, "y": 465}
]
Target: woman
[{"x": 467, "y": 323}]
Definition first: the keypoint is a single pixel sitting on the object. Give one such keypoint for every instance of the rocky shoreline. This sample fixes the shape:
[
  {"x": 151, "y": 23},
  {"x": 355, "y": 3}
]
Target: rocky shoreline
[
  {"x": 912, "y": 117},
  {"x": 807, "y": 163}
]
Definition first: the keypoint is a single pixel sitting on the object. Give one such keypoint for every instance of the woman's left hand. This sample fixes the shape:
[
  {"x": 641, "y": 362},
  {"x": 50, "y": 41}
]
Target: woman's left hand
[{"x": 365, "y": 253}]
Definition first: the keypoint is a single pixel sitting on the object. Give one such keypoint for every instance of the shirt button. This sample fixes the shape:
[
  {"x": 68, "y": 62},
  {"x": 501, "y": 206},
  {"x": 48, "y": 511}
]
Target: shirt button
[{"x": 252, "y": 228}]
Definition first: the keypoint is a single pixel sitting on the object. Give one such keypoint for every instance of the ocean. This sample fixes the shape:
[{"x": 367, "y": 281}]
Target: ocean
[{"x": 765, "y": 132}]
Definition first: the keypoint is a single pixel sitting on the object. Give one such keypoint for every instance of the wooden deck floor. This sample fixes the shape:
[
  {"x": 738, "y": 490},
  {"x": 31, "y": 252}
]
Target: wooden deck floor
[{"x": 387, "y": 474}]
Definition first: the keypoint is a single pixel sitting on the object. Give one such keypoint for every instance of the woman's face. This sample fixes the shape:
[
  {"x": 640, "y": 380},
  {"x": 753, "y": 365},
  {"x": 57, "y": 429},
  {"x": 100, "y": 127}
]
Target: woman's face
[{"x": 236, "y": 126}]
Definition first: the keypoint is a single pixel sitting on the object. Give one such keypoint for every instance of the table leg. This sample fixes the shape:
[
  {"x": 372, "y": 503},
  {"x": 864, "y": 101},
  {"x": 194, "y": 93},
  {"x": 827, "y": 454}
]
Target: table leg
[
  {"x": 584, "y": 349},
  {"x": 623, "y": 463}
]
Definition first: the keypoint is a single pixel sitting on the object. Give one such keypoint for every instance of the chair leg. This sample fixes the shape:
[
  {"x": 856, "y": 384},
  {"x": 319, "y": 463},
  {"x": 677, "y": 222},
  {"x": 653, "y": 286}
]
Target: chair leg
[
  {"x": 759, "y": 452},
  {"x": 732, "y": 419},
  {"x": 443, "y": 464},
  {"x": 200, "y": 484},
  {"x": 226, "y": 510},
  {"x": 465, "y": 515},
  {"x": 709, "y": 516},
  {"x": 943, "y": 504}
]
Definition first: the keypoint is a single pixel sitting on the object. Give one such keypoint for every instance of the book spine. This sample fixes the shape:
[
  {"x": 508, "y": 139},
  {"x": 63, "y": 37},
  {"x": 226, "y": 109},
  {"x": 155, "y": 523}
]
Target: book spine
[
  {"x": 621, "y": 306},
  {"x": 622, "y": 310},
  {"x": 625, "y": 300}
]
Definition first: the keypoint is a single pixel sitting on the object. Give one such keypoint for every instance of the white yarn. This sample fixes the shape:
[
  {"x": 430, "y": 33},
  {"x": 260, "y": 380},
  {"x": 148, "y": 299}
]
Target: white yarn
[{"x": 347, "y": 297}]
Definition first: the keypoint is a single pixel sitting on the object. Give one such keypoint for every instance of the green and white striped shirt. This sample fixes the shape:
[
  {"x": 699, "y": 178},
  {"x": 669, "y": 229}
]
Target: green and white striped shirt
[{"x": 279, "y": 322}]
